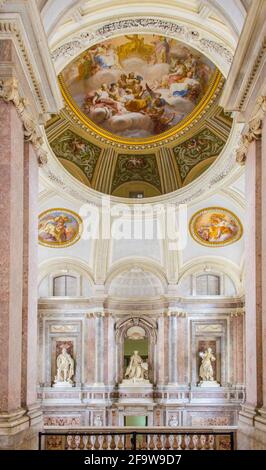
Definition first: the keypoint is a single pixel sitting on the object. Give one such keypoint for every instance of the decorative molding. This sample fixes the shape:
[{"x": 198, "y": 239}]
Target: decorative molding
[
  {"x": 253, "y": 73},
  {"x": 254, "y": 130},
  {"x": 11, "y": 28},
  {"x": 9, "y": 93},
  {"x": 237, "y": 313},
  {"x": 176, "y": 313},
  {"x": 95, "y": 314},
  {"x": 167, "y": 28},
  {"x": 64, "y": 328},
  {"x": 209, "y": 328}
]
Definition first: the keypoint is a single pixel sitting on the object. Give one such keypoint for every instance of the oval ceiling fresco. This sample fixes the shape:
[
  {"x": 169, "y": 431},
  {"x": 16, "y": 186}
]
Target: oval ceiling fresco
[
  {"x": 139, "y": 88},
  {"x": 215, "y": 226},
  {"x": 59, "y": 228}
]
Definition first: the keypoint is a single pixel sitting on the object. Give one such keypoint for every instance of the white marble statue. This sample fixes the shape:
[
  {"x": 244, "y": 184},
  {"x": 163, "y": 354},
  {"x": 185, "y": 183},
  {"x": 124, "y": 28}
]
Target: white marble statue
[
  {"x": 173, "y": 422},
  {"x": 65, "y": 369},
  {"x": 137, "y": 369},
  {"x": 98, "y": 422},
  {"x": 206, "y": 369}
]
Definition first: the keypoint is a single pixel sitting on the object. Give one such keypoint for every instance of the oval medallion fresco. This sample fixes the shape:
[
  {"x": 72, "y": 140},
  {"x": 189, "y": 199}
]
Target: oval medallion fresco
[
  {"x": 215, "y": 226},
  {"x": 138, "y": 87},
  {"x": 59, "y": 228}
]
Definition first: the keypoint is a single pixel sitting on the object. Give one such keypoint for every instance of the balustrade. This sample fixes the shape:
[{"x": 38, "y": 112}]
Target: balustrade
[{"x": 166, "y": 439}]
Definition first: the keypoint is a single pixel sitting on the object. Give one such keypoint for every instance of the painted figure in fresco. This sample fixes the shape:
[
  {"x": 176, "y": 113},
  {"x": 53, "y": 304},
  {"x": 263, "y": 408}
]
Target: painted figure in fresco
[
  {"x": 65, "y": 367},
  {"x": 139, "y": 86},
  {"x": 219, "y": 229},
  {"x": 137, "y": 367},
  {"x": 55, "y": 229},
  {"x": 206, "y": 369}
]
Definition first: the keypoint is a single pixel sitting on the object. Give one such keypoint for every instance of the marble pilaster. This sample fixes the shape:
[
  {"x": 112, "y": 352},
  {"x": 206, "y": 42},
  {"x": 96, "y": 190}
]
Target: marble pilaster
[
  {"x": 99, "y": 348},
  {"x": 172, "y": 358},
  {"x": 252, "y": 422},
  {"x": 11, "y": 255},
  {"x": 161, "y": 350}
]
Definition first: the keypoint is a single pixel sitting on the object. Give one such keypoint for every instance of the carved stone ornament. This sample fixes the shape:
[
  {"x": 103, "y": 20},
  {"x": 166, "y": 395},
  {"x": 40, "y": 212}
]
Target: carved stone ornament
[
  {"x": 254, "y": 131},
  {"x": 9, "y": 92}
]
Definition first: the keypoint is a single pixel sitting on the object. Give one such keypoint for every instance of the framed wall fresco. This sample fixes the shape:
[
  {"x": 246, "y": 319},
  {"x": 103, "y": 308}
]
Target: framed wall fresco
[
  {"x": 139, "y": 87},
  {"x": 215, "y": 226},
  {"x": 59, "y": 228}
]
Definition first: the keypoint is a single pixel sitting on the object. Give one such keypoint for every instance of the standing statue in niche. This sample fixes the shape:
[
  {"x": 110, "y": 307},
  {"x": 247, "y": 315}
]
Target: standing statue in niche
[
  {"x": 137, "y": 369},
  {"x": 65, "y": 369},
  {"x": 206, "y": 369}
]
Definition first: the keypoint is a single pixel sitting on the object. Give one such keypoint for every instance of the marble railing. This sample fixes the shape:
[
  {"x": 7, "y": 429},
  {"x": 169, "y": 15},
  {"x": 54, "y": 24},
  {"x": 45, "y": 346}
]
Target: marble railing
[{"x": 141, "y": 439}]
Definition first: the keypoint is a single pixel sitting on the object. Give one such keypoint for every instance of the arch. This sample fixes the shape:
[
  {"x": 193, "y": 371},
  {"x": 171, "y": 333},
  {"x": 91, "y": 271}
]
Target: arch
[
  {"x": 128, "y": 263},
  {"x": 150, "y": 328},
  {"x": 55, "y": 267},
  {"x": 231, "y": 14},
  {"x": 213, "y": 265}
]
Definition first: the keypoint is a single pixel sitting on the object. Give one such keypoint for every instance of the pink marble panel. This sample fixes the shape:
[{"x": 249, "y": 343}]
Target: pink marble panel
[{"x": 11, "y": 246}]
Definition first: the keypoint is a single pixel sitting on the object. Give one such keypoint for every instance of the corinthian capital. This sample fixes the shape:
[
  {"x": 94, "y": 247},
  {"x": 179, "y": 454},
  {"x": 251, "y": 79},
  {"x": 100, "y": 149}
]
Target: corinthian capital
[{"x": 9, "y": 92}]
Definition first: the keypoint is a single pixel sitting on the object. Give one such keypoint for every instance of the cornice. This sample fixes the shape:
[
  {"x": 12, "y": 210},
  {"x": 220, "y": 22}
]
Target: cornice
[
  {"x": 9, "y": 93},
  {"x": 11, "y": 28},
  {"x": 23, "y": 25}
]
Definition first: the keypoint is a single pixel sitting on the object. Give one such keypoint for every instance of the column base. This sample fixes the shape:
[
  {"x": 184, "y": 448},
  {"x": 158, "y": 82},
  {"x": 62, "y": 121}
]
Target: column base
[
  {"x": 251, "y": 434},
  {"x": 19, "y": 429}
]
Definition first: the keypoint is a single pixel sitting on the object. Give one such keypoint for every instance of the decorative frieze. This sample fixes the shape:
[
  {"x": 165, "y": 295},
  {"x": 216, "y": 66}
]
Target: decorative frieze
[
  {"x": 9, "y": 92},
  {"x": 165, "y": 27}
]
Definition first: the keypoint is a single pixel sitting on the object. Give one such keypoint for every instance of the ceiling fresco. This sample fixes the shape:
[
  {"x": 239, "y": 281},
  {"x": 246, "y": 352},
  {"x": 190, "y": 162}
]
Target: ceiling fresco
[
  {"x": 138, "y": 86},
  {"x": 141, "y": 116}
]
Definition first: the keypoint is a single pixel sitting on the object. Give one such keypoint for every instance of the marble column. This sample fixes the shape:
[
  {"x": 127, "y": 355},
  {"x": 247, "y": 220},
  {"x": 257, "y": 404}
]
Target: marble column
[
  {"x": 30, "y": 287},
  {"x": 252, "y": 422},
  {"x": 20, "y": 416},
  {"x": 11, "y": 264},
  {"x": 172, "y": 358},
  {"x": 99, "y": 349}
]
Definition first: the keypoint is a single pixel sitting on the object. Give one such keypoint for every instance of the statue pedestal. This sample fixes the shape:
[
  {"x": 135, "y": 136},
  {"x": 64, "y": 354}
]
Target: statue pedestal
[
  {"x": 63, "y": 385},
  {"x": 209, "y": 383},
  {"x": 138, "y": 392}
]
